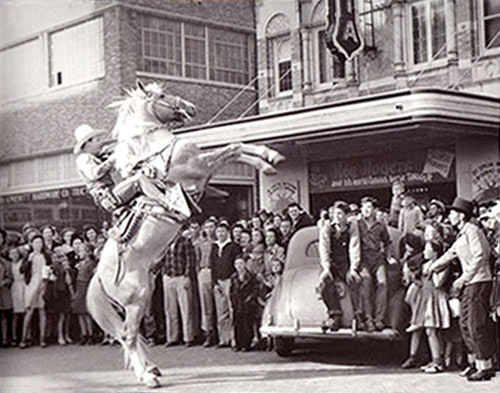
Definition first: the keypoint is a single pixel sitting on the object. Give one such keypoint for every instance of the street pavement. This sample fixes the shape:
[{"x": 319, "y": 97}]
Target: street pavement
[{"x": 314, "y": 367}]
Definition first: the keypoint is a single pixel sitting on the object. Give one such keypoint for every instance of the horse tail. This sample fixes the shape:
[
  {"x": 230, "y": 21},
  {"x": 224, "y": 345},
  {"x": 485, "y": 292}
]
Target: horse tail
[{"x": 107, "y": 312}]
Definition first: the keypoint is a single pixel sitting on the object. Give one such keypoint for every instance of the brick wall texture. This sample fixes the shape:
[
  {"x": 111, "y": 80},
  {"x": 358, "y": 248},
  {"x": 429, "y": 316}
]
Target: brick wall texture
[{"x": 45, "y": 124}]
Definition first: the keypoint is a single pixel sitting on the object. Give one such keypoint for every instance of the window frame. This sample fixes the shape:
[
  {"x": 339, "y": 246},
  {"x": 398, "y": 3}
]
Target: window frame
[
  {"x": 209, "y": 43},
  {"x": 273, "y": 41},
  {"x": 428, "y": 31},
  {"x": 331, "y": 80},
  {"x": 101, "y": 74},
  {"x": 482, "y": 30}
]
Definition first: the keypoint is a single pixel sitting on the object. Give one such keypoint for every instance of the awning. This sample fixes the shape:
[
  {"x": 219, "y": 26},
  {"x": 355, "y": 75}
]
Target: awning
[{"x": 455, "y": 111}]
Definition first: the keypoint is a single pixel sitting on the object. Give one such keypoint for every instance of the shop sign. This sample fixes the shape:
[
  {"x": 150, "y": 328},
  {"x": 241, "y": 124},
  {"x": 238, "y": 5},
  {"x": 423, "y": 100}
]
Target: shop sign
[
  {"x": 376, "y": 171},
  {"x": 280, "y": 194},
  {"x": 438, "y": 161},
  {"x": 486, "y": 181},
  {"x": 342, "y": 33},
  {"x": 65, "y": 193}
]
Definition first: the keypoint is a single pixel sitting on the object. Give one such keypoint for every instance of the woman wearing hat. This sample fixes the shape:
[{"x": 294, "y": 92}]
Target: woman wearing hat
[
  {"x": 97, "y": 173},
  {"x": 473, "y": 251}
]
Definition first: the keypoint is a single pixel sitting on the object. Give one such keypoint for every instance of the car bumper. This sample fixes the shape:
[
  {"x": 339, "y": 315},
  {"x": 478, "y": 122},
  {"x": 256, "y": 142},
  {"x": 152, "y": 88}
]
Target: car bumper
[{"x": 319, "y": 333}]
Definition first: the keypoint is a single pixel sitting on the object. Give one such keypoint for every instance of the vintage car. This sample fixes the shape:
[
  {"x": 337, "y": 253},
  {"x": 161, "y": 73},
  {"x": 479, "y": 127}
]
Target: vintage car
[{"x": 295, "y": 310}]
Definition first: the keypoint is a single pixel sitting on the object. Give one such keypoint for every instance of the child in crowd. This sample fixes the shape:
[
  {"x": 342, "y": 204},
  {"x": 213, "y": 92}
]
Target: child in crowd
[
  {"x": 430, "y": 312},
  {"x": 275, "y": 277},
  {"x": 35, "y": 271},
  {"x": 5, "y": 298},
  {"x": 17, "y": 291},
  {"x": 63, "y": 292},
  {"x": 243, "y": 295},
  {"x": 85, "y": 270}
]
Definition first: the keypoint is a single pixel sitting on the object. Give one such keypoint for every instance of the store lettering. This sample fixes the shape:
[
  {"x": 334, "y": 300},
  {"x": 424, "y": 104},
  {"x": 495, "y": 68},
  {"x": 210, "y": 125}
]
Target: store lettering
[
  {"x": 378, "y": 170},
  {"x": 41, "y": 196}
]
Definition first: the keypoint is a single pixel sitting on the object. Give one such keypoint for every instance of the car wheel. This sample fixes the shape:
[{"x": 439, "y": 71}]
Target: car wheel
[{"x": 283, "y": 346}]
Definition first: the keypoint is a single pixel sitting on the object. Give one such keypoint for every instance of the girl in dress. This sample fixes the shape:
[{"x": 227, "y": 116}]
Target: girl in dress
[
  {"x": 85, "y": 270},
  {"x": 37, "y": 268},
  {"x": 17, "y": 291},
  {"x": 430, "y": 312}
]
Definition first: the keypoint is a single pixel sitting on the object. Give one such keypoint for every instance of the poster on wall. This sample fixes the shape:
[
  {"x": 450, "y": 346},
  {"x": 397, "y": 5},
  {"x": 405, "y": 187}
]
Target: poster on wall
[
  {"x": 485, "y": 181},
  {"x": 280, "y": 194}
]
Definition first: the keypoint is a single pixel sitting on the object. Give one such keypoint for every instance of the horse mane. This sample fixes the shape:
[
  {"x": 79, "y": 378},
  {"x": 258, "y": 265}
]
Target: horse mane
[
  {"x": 124, "y": 127},
  {"x": 125, "y": 109}
]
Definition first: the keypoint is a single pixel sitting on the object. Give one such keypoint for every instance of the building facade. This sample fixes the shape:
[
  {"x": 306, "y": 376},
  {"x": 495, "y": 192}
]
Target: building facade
[
  {"x": 420, "y": 103},
  {"x": 63, "y": 63}
]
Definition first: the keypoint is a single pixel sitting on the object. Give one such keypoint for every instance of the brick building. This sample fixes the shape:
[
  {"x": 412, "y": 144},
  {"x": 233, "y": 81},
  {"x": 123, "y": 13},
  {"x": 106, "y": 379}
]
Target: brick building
[
  {"x": 420, "y": 103},
  {"x": 63, "y": 63}
]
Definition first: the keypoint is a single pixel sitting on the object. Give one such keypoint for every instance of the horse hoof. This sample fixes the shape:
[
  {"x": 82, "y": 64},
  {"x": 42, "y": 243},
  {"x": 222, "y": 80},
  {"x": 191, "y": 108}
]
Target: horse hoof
[
  {"x": 151, "y": 381},
  {"x": 154, "y": 370}
]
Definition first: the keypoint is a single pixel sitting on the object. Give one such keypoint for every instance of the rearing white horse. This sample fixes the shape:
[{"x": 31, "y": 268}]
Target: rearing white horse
[{"x": 119, "y": 292}]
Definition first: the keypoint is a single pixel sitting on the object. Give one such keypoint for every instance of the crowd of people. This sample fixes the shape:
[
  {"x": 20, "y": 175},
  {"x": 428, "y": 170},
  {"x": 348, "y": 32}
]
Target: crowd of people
[
  {"x": 212, "y": 285},
  {"x": 447, "y": 258}
]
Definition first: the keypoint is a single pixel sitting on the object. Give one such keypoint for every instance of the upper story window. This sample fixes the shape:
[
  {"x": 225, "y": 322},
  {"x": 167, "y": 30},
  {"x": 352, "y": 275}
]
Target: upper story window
[
  {"x": 21, "y": 75},
  {"x": 282, "y": 64},
  {"x": 194, "y": 51},
  {"x": 77, "y": 53},
  {"x": 490, "y": 16},
  {"x": 330, "y": 67},
  {"x": 279, "y": 56},
  {"x": 427, "y": 31},
  {"x": 229, "y": 60}
]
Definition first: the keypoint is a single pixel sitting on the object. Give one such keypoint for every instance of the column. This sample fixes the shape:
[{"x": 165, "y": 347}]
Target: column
[
  {"x": 451, "y": 41},
  {"x": 399, "y": 64},
  {"x": 307, "y": 59}
]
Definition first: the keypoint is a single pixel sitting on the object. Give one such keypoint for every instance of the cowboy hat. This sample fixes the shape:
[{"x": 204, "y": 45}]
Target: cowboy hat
[
  {"x": 463, "y": 206},
  {"x": 83, "y": 134}
]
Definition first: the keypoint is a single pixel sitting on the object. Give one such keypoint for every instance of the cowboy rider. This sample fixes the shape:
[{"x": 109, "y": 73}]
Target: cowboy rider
[{"x": 98, "y": 173}]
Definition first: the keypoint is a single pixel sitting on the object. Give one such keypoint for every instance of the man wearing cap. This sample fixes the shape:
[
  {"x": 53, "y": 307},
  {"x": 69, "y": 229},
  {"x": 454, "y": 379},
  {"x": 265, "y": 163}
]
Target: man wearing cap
[
  {"x": 98, "y": 174},
  {"x": 472, "y": 249},
  {"x": 340, "y": 256}
]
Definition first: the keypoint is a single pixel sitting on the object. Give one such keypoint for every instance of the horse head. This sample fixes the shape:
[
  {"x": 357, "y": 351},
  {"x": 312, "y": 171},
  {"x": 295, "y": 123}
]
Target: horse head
[
  {"x": 150, "y": 106},
  {"x": 164, "y": 107}
]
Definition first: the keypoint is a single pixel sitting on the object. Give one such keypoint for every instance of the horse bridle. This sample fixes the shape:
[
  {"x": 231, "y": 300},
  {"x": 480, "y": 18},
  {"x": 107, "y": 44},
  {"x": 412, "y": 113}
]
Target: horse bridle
[{"x": 176, "y": 107}]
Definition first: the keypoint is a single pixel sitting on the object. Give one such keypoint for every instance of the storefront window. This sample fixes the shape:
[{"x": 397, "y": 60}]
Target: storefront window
[{"x": 64, "y": 207}]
